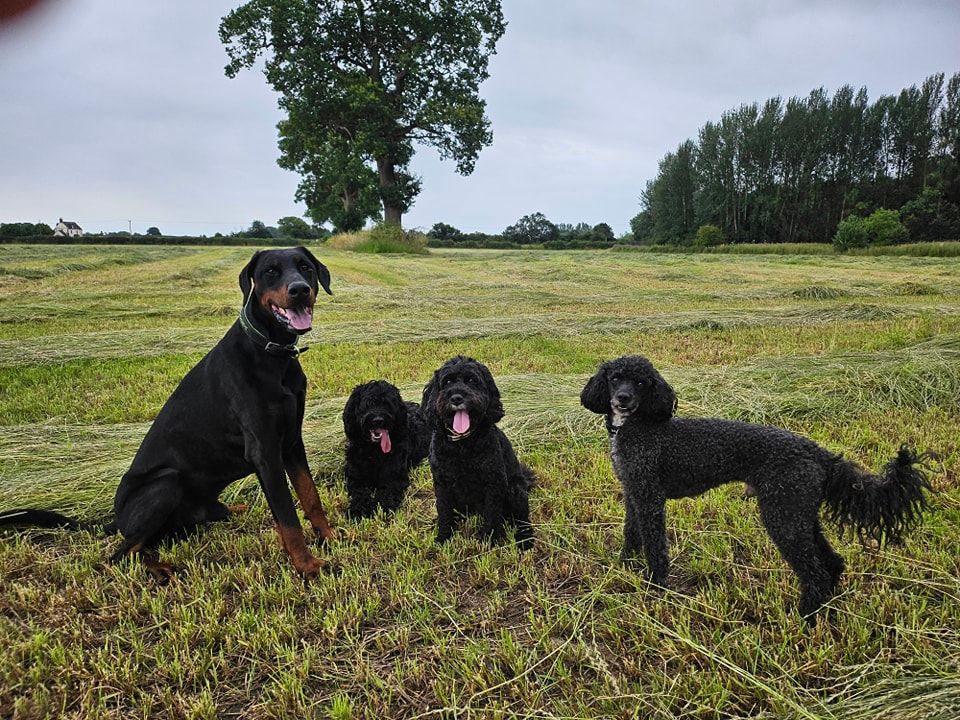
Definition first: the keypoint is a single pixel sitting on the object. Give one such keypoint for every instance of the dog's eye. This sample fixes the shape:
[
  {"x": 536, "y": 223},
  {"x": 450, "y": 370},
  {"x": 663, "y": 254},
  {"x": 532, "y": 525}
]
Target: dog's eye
[
  {"x": 306, "y": 269},
  {"x": 615, "y": 378},
  {"x": 446, "y": 381},
  {"x": 271, "y": 271},
  {"x": 467, "y": 379}
]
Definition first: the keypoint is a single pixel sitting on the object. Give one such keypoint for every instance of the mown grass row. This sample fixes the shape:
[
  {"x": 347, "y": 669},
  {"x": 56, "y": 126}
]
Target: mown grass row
[{"x": 409, "y": 629}]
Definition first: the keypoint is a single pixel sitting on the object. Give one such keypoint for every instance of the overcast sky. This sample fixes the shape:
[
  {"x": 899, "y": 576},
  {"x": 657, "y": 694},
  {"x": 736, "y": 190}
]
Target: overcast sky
[{"x": 113, "y": 111}]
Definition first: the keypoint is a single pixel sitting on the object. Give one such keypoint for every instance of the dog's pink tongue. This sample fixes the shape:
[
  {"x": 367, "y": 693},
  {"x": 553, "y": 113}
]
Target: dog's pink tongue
[
  {"x": 461, "y": 421},
  {"x": 299, "y": 319},
  {"x": 385, "y": 445}
]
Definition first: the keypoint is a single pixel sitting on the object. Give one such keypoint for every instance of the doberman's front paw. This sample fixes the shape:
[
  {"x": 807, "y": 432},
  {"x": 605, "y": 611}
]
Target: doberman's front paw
[{"x": 325, "y": 534}]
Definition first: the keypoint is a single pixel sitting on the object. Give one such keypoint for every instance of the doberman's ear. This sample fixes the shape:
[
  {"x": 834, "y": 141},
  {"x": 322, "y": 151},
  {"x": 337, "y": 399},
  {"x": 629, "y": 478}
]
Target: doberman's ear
[
  {"x": 661, "y": 402},
  {"x": 495, "y": 411},
  {"x": 323, "y": 275},
  {"x": 351, "y": 424},
  {"x": 246, "y": 275},
  {"x": 595, "y": 396}
]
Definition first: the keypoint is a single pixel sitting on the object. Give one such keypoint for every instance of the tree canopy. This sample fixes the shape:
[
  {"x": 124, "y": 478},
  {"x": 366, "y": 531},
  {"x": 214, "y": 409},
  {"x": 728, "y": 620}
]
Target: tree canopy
[
  {"x": 791, "y": 171},
  {"x": 361, "y": 81},
  {"x": 530, "y": 229}
]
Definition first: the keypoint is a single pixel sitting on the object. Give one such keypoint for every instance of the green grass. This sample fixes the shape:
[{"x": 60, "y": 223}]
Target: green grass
[
  {"x": 860, "y": 353},
  {"x": 944, "y": 249}
]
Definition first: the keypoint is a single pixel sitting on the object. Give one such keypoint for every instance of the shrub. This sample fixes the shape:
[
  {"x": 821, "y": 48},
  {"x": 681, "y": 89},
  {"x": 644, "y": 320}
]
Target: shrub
[
  {"x": 884, "y": 228},
  {"x": 851, "y": 233},
  {"x": 931, "y": 217},
  {"x": 708, "y": 236}
]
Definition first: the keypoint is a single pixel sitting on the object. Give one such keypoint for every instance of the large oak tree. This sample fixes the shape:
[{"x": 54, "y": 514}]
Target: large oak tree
[{"x": 361, "y": 81}]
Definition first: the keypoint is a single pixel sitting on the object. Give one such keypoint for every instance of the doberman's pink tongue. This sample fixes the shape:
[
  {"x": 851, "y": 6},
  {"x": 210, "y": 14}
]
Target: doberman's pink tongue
[
  {"x": 385, "y": 445},
  {"x": 461, "y": 422},
  {"x": 299, "y": 319}
]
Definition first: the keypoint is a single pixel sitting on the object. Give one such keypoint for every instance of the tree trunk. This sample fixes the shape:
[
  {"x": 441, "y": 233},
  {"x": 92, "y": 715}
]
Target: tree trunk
[{"x": 392, "y": 212}]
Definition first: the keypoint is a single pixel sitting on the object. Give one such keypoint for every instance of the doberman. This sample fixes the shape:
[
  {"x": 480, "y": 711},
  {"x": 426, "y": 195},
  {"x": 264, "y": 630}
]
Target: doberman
[{"x": 238, "y": 411}]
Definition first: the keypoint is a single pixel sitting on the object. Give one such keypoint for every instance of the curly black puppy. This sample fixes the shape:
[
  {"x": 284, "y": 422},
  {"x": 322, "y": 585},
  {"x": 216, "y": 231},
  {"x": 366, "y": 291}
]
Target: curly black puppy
[
  {"x": 475, "y": 470},
  {"x": 656, "y": 457},
  {"x": 386, "y": 438}
]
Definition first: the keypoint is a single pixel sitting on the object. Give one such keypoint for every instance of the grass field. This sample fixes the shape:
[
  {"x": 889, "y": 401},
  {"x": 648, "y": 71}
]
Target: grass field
[{"x": 860, "y": 353}]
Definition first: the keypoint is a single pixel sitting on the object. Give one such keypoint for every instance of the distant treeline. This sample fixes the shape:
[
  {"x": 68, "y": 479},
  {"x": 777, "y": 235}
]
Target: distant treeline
[
  {"x": 288, "y": 231},
  {"x": 533, "y": 230},
  {"x": 791, "y": 171},
  {"x": 144, "y": 240}
]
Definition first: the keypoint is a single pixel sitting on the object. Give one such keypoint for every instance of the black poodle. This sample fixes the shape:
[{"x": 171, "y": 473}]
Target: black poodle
[
  {"x": 475, "y": 470},
  {"x": 656, "y": 457},
  {"x": 386, "y": 438}
]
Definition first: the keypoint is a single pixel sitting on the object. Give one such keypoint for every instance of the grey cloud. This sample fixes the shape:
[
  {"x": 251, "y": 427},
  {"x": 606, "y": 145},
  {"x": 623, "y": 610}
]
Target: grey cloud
[{"x": 121, "y": 110}]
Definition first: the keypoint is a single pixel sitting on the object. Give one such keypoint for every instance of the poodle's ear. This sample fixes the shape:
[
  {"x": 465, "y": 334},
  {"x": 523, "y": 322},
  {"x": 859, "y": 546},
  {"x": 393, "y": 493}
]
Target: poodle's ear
[
  {"x": 595, "y": 396},
  {"x": 246, "y": 275},
  {"x": 495, "y": 410},
  {"x": 428, "y": 402},
  {"x": 400, "y": 415},
  {"x": 351, "y": 423},
  {"x": 661, "y": 402},
  {"x": 323, "y": 275}
]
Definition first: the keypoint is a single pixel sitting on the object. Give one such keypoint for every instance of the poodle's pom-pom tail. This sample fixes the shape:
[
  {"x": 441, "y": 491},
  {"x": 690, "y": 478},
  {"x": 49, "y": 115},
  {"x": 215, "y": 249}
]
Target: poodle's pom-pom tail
[{"x": 881, "y": 507}]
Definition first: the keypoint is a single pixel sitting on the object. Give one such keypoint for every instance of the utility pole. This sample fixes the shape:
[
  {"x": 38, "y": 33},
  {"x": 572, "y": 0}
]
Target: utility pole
[{"x": 130, "y": 226}]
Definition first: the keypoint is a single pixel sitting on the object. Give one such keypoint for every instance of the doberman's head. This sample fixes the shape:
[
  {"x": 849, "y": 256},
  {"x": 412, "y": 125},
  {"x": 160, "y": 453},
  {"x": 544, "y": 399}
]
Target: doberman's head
[{"x": 284, "y": 284}]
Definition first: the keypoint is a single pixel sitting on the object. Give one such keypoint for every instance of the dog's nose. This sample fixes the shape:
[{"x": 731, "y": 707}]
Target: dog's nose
[
  {"x": 623, "y": 398},
  {"x": 298, "y": 290},
  {"x": 456, "y": 399}
]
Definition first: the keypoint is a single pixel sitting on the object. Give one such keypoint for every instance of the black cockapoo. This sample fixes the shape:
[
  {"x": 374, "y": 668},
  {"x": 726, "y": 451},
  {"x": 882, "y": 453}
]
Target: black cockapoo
[
  {"x": 386, "y": 438},
  {"x": 475, "y": 470},
  {"x": 656, "y": 457}
]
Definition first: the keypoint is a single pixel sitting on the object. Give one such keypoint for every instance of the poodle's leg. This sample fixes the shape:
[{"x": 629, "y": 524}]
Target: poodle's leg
[
  {"x": 445, "y": 512},
  {"x": 391, "y": 496},
  {"x": 651, "y": 516},
  {"x": 493, "y": 510},
  {"x": 831, "y": 560},
  {"x": 518, "y": 513},
  {"x": 362, "y": 502},
  {"x": 632, "y": 539},
  {"x": 794, "y": 530}
]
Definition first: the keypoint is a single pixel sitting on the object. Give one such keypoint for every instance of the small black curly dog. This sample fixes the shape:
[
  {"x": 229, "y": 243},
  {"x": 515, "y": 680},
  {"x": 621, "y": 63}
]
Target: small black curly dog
[
  {"x": 386, "y": 439},
  {"x": 656, "y": 457},
  {"x": 475, "y": 470}
]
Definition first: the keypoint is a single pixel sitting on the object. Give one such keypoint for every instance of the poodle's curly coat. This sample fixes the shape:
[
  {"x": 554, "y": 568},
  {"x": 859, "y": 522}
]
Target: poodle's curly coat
[
  {"x": 386, "y": 438},
  {"x": 656, "y": 456},
  {"x": 475, "y": 469}
]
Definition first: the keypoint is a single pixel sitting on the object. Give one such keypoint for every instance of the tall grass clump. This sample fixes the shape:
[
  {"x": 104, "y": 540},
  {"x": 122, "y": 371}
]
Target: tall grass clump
[
  {"x": 346, "y": 240},
  {"x": 950, "y": 248},
  {"x": 738, "y": 249},
  {"x": 384, "y": 238}
]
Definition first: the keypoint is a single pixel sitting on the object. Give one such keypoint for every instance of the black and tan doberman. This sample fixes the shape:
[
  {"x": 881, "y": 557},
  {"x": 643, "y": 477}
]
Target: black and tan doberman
[{"x": 238, "y": 411}]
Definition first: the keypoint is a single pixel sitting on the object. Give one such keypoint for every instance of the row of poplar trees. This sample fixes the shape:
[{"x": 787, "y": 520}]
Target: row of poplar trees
[{"x": 791, "y": 171}]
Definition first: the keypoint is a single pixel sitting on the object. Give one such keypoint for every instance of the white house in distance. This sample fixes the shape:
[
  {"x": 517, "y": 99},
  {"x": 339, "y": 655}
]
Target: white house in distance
[{"x": 68, "y": 228}]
